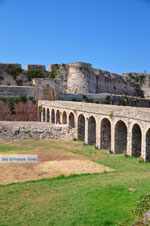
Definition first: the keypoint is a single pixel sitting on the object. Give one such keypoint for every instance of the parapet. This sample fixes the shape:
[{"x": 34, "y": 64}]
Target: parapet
[
  {"x": 4, "y": 66},
  {"x": 35, "y": 66},
  {"x": 80, "y": 64}
]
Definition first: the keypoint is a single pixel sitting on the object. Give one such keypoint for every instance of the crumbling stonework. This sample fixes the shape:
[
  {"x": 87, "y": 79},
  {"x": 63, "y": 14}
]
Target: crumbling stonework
[
  {"x": 23, "y": 111},
  {"x": 32, "y": 130},
  {"x": 81, "y": 78}
]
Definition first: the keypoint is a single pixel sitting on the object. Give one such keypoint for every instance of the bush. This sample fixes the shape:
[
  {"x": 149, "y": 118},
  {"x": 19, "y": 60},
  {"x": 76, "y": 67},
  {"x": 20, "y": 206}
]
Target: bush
[
  {"x": 106, "y": 100},
  {"x": 96, "y": 101},
  {"x": 34, "y": 73},
  {"x": 14, "y": 71},
  {"x": 77, "y": 100},
  {"x": 53, "y": 74}
]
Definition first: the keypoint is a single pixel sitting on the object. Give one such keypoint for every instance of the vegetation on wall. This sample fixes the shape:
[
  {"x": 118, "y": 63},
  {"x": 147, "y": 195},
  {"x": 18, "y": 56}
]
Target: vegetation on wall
[
  {"x": 1, "y": 78},
  {"x": 34, "y": 73},
  {"x": 137, "y": 80},
  {"x": 106, "y": 100},
  {"x": 14, "y": 71},
  {"x": 11, "y": 101},
  {"x": 53, "y": 74}
]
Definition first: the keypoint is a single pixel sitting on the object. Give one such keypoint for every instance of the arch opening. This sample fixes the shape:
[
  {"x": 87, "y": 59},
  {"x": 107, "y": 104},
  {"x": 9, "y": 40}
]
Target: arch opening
[
  {"x": 58, "y": 117},
  {"x": 91, "y": 130},
  {"x": 53, "y": 116},
  {"x": 81, "y": 128},
  {"x": 120, "y": 137},
  {"x": 48, "y": 115},
  {"x": 148, "y": 146},
  {"x": 64, "y": 118},
  {"x": 136, "y": 141},
  {"x": 43, "y": 114},
  {"x": 105, "y": 133},
  {"x": 71, "y": 120}
]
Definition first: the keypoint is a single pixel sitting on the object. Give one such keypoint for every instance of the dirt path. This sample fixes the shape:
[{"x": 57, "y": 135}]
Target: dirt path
[{"x": 50, "y": 164}]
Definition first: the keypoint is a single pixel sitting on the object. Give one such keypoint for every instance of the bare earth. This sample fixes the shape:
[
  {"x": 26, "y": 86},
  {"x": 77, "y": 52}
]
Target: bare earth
[{"x": 50, "y": 164}]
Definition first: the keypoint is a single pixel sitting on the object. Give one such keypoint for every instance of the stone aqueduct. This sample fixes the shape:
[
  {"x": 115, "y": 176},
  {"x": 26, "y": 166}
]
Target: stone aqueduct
[{"x": 120, "y": 128}]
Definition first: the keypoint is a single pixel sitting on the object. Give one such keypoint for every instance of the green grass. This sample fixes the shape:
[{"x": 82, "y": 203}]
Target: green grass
[{"x": 88, "y": 199}]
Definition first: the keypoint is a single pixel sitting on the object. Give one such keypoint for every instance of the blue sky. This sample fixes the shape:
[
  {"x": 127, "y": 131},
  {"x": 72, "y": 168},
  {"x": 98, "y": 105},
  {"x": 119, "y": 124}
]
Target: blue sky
[{"x": 113, "y": 35}]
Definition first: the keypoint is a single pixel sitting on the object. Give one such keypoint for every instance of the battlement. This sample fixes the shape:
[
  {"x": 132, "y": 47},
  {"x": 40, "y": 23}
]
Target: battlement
[
  {"x": 4, "y": 66},
  {"x": 35, "y": 66}
]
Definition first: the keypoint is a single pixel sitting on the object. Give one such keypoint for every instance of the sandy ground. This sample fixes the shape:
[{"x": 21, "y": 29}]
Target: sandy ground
[{"x": 50, "y": 164}]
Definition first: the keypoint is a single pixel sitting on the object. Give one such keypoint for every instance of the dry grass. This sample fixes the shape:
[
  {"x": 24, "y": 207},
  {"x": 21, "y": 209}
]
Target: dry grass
[{"x": 55, "y": 161}]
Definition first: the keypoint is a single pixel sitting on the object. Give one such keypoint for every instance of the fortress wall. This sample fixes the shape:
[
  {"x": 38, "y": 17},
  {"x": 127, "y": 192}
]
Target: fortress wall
[
  {"x": 82, "y": 78},
  {"x": 33, "y": 130},
  {"x": 4, "y": 66},
  {"x": 47, "y": 89},
  {"x": 24, "y": 112},
  {"x": 15, "y": 91},
  {"x": 35, "y": 66}
]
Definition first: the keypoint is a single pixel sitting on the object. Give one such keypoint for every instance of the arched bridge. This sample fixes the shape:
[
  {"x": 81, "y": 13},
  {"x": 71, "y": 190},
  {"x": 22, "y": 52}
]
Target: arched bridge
[{"x": 122, "y": 129}]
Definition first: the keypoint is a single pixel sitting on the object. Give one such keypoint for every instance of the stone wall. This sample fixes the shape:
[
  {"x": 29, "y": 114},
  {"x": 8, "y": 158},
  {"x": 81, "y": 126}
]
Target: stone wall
[
  {"x": 32, "y": 130},
  {"x": 23, "y": 111},
  {"x": 107, "y": 98},
  {"x": 16, "y": 91},
  {"x": 80, "y": 78}
]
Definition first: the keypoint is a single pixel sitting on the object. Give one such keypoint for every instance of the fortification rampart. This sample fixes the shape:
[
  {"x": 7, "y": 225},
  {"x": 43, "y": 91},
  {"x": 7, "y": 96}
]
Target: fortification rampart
[
  {"x": 16, "y": 91},
  {"x": 11, "y": 111}
]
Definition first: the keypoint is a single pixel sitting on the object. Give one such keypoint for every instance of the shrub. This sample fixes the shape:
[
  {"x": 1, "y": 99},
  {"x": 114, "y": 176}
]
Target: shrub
[
  {"x": 14, "y": 71},
  {"x": 53, "y": 74},
  {"x": 89, "y": 91},
  {"x": 77, "y": 100},
  {"x": 111, "y": 115},
  {"x": 125, "y": 101},
  {"x": 96, "y": 101},
  {"x": 34, "y": 73},
  {"x": 32, "y": 99},
  {"x": 106, "y": 100}
]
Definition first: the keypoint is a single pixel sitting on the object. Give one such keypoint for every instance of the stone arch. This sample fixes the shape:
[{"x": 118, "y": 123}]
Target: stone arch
[
  {"x": 48, "y": 115},
  {"x": 71, "y": 120},
  {"x": 81, "y": 127},
  {"x": 136, "y": 140},
  {"x": 148, "y": 145},
  {"x": 40, "y": 114},
  {"x": 53, "y": 116},
  {"x": 91, "y": 130},
  {"x": 58, "y": 117},
  {"x": 105, "y": 134},
  {"x": 43, "y": 114},
  {"x": 120, "y": 137},
  {"x": 64, "y": 118}
]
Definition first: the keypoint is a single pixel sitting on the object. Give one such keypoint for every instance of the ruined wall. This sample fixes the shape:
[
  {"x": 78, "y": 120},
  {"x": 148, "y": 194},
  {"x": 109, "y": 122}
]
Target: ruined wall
[
  {"x": 78, "y": 78},
  {"x": 15, "y": 91},
  {"x": 23, "y": 111},
  {"x": 18, "y": 77},
  {"x": 32, "y": 130},
  {"x": 47, "y": 89},
  {"x": 82, "y": 78}
]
